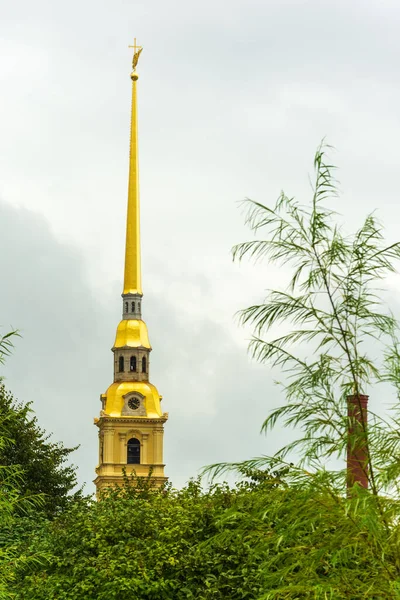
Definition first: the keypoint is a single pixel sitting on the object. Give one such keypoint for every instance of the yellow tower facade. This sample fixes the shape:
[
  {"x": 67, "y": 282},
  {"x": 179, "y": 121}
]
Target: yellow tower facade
[{"x": 131, "y": 423}]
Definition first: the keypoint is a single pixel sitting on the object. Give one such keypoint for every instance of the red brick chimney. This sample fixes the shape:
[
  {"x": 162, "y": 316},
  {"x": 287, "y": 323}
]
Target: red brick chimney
[{"x": 357, "y": 450}]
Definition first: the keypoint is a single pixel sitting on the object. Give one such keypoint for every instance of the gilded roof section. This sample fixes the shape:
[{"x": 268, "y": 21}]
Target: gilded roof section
[
  {"x": 132, "y": 275},
  {"x": 132, "y": 333},
  {"x": 116, "y": 392}
]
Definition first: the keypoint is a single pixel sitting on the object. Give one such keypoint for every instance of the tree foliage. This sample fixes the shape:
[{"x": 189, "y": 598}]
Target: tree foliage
[
  {"x": 145, "y": 543},
  {"x": 337, "y": 339},
  {"x": 342, "y": 339},
  {"x": 44, "y": 463},
  {"x": 13, "y": 504},
  {"x": 283, "y": 536},
  {"x": 6, "y": 344}
]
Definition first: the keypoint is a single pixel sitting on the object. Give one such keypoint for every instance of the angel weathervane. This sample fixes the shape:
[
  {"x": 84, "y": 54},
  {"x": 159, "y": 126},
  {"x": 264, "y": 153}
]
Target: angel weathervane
[{"x": 137, "y": 51}]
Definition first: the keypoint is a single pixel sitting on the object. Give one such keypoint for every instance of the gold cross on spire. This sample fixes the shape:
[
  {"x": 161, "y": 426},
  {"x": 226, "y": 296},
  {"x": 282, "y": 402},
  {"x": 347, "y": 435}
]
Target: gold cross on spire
[{"x": 137, "y": 50}]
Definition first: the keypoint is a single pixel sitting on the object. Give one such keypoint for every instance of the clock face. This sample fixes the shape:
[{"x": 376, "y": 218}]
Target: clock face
[{"x": 134, "y": 403}]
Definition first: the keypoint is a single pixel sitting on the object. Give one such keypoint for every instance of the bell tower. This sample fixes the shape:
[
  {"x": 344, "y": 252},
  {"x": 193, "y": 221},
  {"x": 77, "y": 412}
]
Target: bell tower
[{"x": 131, "y": 423}]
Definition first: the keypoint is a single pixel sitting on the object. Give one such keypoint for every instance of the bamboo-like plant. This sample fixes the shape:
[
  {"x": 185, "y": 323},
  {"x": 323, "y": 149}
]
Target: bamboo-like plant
[
  {"x": 339, "y": 341},
  {"x": 6, "y": 344},
  {"x": 337, "y": 319}
]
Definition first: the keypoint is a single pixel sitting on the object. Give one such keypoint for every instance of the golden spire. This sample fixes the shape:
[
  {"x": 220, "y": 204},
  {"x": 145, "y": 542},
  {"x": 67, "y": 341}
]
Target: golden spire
[
  {"x": 131, "y": 423},
  {"x": 133, "y": 276}
]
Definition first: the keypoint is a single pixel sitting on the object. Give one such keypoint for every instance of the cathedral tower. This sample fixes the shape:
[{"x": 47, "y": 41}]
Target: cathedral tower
[{"x": 131, "y": 423}]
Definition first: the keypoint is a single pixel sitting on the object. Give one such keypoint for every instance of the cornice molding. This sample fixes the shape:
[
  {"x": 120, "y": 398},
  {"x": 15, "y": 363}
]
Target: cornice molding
[{"x": 112, "y": 420}]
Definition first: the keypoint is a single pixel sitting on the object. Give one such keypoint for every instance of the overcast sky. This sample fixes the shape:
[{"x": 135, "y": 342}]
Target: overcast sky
[{"x": 234, "y": 97}]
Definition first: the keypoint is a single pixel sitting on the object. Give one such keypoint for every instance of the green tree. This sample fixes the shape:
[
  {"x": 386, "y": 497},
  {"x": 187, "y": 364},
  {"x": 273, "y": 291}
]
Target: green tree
[
  {"x": 281, "y": 536},
  {"x": 338, "y": 340},
  {"x": 14, "y": 526},
  {"x": 45, "y": 464},
  {"x": 142, "y": 543},
  {"x": 12, "y": 504}
]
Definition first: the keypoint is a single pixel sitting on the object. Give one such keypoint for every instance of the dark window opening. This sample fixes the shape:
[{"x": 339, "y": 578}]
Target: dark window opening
[
  {"x": 133, "y": 457},
  {"x": 144, "y": 364},
  {"x": 126, "y": 307},
  {"x": 132, "y": 365},
  {"x": 121, "y": 364},
  {"x": 133, "y": 307}
]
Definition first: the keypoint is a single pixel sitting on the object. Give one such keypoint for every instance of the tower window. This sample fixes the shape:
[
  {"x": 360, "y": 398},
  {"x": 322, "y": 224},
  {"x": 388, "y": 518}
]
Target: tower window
[
  {"x": 144, "y": 364},
  {"x": 126, "y": 307},
  {"x": 133, "y": 307},
  {"x": 132, "y": 366},
  {"x": 133, "y": 457},
  {"x": 121, "y": 364},
  {"x": 138, "y": 306}
]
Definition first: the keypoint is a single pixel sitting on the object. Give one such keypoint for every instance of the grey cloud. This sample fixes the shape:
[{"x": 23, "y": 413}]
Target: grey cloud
[{"x": 215, "y": 398}]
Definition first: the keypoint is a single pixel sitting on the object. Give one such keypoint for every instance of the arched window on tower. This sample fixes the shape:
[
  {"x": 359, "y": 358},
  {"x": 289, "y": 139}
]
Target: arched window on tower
[
  {"x": 133, "y": 457},
  {"x": 133, "y": 307},
  {"x": 121, "y": 364},
  {"x": 132, "y": 366},
  {"x": 126, "y": 307},
  {"x": 144, "y": 364}
]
